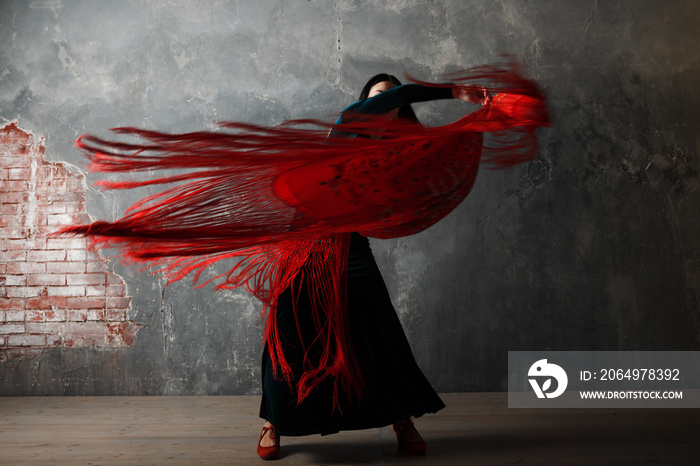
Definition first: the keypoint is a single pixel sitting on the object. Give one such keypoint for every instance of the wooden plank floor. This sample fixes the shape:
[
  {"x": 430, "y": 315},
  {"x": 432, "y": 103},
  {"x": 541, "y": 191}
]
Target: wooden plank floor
[{"x": 475, "y": 428}]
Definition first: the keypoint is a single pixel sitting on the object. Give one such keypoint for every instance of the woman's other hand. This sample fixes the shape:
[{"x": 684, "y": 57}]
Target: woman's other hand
[{"x": 476, "y": 95}]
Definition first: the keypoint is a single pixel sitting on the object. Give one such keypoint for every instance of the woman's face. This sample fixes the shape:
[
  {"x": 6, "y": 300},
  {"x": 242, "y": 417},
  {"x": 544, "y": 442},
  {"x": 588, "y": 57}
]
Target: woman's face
[{"x": 378, "y": 89}]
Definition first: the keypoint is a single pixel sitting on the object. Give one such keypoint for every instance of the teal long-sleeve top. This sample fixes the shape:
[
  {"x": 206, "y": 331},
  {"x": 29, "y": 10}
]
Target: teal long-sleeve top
[{"x": 395, "y": 97}]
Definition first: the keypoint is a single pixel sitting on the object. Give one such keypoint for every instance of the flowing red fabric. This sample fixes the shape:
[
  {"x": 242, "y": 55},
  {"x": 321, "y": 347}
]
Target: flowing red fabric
[{"x": 280, "y": 202}]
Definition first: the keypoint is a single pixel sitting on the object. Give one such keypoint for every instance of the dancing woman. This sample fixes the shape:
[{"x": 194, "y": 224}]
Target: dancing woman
[{"x": 395, "y": 389}]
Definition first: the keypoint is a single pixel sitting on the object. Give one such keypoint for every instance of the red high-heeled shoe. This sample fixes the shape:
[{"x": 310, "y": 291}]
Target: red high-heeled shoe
[
  {"x": 405, "y": 446},
  {"x": 269, "y": 453}
]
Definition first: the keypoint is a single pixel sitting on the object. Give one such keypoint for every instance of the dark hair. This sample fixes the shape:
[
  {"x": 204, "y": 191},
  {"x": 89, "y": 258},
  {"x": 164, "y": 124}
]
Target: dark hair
[{"x": 405, "y": 111}]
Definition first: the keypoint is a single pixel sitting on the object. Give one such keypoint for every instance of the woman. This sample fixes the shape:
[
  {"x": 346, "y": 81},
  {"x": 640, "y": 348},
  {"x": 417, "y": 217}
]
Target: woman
[{"x": 395, "y": 389}]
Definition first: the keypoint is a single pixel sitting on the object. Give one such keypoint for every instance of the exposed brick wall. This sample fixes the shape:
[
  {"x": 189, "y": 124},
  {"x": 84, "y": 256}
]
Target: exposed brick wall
[{"x": 53, "y": 291}]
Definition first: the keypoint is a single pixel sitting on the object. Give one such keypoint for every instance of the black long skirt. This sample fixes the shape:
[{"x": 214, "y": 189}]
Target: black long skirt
[{"x": 396, "y": 389}]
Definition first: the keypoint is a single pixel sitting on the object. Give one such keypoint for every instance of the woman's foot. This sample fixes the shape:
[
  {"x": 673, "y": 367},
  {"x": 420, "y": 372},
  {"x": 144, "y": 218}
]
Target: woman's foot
[
  {"x": 269, "y": 443},
  {"x": 410, "y": 441}
]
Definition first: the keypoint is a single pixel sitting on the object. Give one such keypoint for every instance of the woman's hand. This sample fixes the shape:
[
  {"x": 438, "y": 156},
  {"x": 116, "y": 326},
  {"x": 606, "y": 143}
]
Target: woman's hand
[{"x": 476, "y": 95}]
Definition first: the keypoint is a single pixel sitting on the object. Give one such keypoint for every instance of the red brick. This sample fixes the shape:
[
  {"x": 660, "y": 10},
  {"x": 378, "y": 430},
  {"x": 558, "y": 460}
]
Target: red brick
[
  {"x": 43, "y": 328},
  {"x": 46, "y": 316},
  {"x": 46, "y": 279},
  {"x": 93, "y": 256},
  {"x": 46, "y": 256},
  {"x": 35, "y": 316},
  {"x": 20, "y": 147},
  {"x": 118, "y": 303},
  {"x": 11, "y": 209},
  {"x": 99, "y": 290},
  {"x": 57, "y": 196},
  {"x": 12, "y": 220},
  {"x": 19, "y": 268},
  {"x": 2, "y": 317},
  {"x": 12, "y": 304},
  {"x": 7, "y": 329},
  {"x": 66, "y": 243},
  {"x": 44, "y": 302},
  {"x": 77, "y": 316},
  {"x": 24, "y": 291},
  {"x": 94, "y": 266},
  {"x": 85, "y": 303},
  {"x": 19, "y": 173},
  {"x": 14, "y": 232},
  {"x": 73, "y": 207},
  {"x": 78, "y": 210},
  {"x": 10, "y": 134},
  {"x": 15, "y": 198},
  {"x": 66, "y": 291},
  {"x": 25, "y": 244},
  {"x": 116, "y": 290},
  {"x": 76, "y": 183},
  {"x": 95, "y": 315},
  {"x": 39, "y": 227},
  {"x": 15, "y": 280},
  {"x": 51, "y": 171},
  {"x": 14, "y": 256},
  {"x": 76, "y": 255},
  {"x": 48, "y": 184},
  {"x": 86, "y": 279},
  {"x": 15, "y": 316},
  {"x": 63, "y": 219},
  {"x": 114, "y": 279},
  {"x": 12, "y": 353},
  {"x": 81, "y": 217},
  {"x": 12, "y": 162},
  {"x": 26, "y": 340},
  {"x": 14, "y": 186},
  {"x": 116, "y": 316},
  {"x": 54, "y": 208},
  {"x": 122, "y": 334},
  {"x": 55, "y": 316},
  {"x": 65, "y": 267}
]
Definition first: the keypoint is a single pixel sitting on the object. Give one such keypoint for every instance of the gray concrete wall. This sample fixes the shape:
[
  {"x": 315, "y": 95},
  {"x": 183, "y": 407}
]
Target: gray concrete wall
[{"x": 593, "y": 246}]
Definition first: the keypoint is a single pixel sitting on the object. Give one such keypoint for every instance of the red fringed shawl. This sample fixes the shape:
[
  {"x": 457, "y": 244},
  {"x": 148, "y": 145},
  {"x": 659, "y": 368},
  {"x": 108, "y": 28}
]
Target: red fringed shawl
[{"x": 281, "y": 201}]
